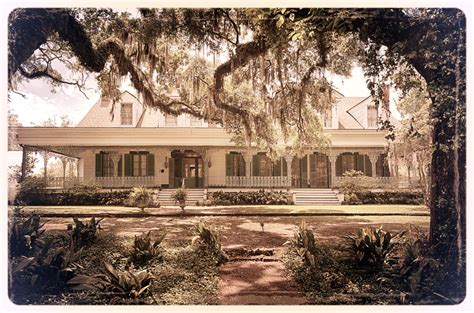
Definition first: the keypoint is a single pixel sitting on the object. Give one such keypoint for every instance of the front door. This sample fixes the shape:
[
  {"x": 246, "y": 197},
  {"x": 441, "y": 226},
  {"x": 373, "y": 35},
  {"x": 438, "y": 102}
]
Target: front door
[
  {"x": 319, "y": 171},
  {"x": 187, "y": 170}
]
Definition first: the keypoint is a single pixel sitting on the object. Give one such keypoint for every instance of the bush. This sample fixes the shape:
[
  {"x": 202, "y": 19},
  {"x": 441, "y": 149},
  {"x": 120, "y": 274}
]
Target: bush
[
  {"x": 304, "y": 244},
  {"x": 144, "y": 249},
  {"x": 84, "y": 234},
  {"x": 140, "y": 197},
  {"x": 371, "y": 245},
  {"x": 207, "y": 239},
  {"x": 386, "y": 197},
  {"x": 24, "y": 233},
  {"x": 73, "y": 196},
  {"x": 249, "y": 198}
]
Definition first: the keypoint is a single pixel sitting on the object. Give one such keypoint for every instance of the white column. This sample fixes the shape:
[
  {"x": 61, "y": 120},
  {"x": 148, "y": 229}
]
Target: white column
[
  {"x": 115, "y": 156},
  {"x": 373, "y": 160},
  {"x": 64, "y": 161},
  {"x": 248, "y": 168},
  {"x": 332, "y": 157},
  {"x": 289, "y": 159},
  {"x": 46, "y": 158},
  {"x": 205, "y": 167}
]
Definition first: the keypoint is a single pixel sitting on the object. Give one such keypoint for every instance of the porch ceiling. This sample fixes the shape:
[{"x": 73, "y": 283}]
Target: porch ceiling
[{"x": 211, "y": 137}]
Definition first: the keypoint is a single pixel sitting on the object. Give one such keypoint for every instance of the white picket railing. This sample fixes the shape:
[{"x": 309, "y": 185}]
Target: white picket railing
[
  {"x": 104, "y": 182},
  {"x": 257, "y": 181},
  {"x": 383, "y": 181}
]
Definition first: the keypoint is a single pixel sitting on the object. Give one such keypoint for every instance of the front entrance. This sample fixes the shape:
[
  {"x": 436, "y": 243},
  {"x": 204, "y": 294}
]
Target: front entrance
[
  {"x": 316, "y": 167},
  {"x": 186, "y": 169}
]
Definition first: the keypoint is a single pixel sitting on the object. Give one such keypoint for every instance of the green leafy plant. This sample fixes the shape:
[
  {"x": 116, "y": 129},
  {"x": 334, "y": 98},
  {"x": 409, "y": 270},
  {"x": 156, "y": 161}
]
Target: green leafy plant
[
  {"x": 140, "y": 197},
  {"x": 145, "y": 249},
  {"x": 372, "y": 245},
  {"x": 208, "y": 239},
  {"x": 127, "y": 284},
  {"x": 180, "y": 196},
  {"x": 304, "y": 244},
  {"x": 84, "y": 234},
  {"x": 50, "y": 269},
  {"x": 24, "y": 234}
]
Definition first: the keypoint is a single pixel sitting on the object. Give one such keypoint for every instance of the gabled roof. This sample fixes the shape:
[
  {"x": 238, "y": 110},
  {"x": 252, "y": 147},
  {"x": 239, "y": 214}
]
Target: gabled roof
[
  {"x": 346, "y": 108},
  {"x": 102, "y": 116}
]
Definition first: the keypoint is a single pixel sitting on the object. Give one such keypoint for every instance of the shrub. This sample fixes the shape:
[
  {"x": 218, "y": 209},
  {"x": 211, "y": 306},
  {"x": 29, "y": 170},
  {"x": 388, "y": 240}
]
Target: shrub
[
  {"x": 127, "y": 284},
  {"x": 389, "y": 197},
  {"x": 371, "y": 245},
  {"x": 28, "y": 188},
  {"x": 140, "y": 197},
  {"x": 251, "y": 197},
  {"x": 84, "y": 234},
  {"x": 304, "y": 244},
  {"x": 49, "y": 270},
  {"x": 207, "y": 239},
  {"x": 24, "y": 233},
  {"x": 144, "y": 249},
  {"x": 180, "y": 196}
]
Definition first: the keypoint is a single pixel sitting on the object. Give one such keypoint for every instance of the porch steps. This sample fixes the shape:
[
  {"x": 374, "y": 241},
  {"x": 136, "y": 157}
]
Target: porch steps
[
  {"x": 315, "y": 196},
  {"x": 193, "y": 195}
]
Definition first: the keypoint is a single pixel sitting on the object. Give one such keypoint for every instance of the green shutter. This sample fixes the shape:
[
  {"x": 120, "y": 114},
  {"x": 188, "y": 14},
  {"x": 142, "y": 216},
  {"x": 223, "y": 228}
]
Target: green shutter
[
  {"x": 339, "y": 166},
  {"x": 228, "y": 164},
  {"x": 150, "y": 165},
  {"x": 368, "y": 166},
  {"x": 359, "y": 166},
  {"x": 285, "y": 167},
  {"x": 128, "y": 165},
  {"x": 98, "y": 165},
  {"x": 255, "y": 166},
  {"x": 277, "y": 168},
  {"x": 119, "y": 170}
]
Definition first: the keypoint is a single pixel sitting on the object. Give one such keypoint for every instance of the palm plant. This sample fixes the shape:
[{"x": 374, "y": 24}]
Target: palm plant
[
  {"x": 180, "y": 196},
  {"x": 144, "y": 249},
  {"x": 140, "y": 197}
]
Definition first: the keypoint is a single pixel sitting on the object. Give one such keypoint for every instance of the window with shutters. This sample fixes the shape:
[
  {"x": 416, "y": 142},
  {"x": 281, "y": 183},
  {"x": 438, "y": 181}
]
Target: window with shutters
[
  {"x": 262, "y": 165},
  {"x": 372, "y": 116},
  {"x": 235, "y": 164},
  {"x": 104, "y": 165},
  {"x": 171, "y": 120},
  {"x": 126, "y": 114},
  {"x": 381, "y": 166},
  {"x": 353, "y": 161},
  {"x": 139, "y": 163}
]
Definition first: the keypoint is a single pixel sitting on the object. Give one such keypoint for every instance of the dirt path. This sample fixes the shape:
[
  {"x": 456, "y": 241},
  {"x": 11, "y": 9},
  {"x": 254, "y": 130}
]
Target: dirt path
[{"x": 257, "y": 279}]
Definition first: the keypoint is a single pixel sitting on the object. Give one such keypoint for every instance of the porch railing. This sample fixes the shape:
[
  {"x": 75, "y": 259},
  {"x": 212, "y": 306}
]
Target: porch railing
[
  {"x": 104, "y": 182},
  {"x": 257, "y": 181},
  {"x": 377, "y": 181}
]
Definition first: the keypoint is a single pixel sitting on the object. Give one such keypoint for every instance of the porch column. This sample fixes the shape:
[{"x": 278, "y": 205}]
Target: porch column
[
  {"x": 332, "y": 157},
  {"x": 308, "y": 168},
  {"x": 373, "y": 160},
  {"x": 248, "y": 168},
  {"x": 64, "y": 161},
  {"x": 46, "y": 156},
  {"x": 24, "y": 161},
  {"x": 115, "y": 156},
  {"x": 289, "y": 159},
  {"x": 205, "y": 168}
]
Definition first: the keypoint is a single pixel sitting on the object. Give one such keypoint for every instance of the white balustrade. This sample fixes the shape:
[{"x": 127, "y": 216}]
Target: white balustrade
[
  {"x": 105, "y": 182},
  {"x": 256, "y": 181}
]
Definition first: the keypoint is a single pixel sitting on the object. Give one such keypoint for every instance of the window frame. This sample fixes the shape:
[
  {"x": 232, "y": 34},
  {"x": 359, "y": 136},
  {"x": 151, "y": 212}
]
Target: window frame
[{"x": 126, "y": 118}]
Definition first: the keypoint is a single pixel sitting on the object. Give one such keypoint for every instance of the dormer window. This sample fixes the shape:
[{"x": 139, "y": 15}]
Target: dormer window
[
  {"x": 126, "y": 114},
  {"x": 372, "y": 115}
]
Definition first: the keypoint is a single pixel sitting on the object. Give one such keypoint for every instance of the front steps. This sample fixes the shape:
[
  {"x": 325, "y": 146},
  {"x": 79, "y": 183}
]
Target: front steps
[
  {"x": 313, "y": 196},
  {"x": 164, "y": 196}
]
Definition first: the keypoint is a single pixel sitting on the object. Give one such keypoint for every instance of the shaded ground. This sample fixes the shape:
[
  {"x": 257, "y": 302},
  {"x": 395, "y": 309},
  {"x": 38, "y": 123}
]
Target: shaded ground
[{"x": 251, "y": 281}]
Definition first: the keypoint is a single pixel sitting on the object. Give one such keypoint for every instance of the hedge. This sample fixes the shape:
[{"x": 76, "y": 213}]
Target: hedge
[
  {"x": 249, "y": 197},
  {"x": 386, "y": 197},
  {"x": 74, "y": 198}
]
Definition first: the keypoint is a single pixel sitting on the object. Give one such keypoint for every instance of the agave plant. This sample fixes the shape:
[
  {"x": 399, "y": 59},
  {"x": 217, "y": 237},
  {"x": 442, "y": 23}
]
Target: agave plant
[
  {"x": 24, "y": 234},
  {"x": 84, "y": 233},
  {"x": 125, "y": 284},
  {"x": 304, "y": 244},
  {"x": 144, "y": 249},
  {"x": 372, "y": 245}
]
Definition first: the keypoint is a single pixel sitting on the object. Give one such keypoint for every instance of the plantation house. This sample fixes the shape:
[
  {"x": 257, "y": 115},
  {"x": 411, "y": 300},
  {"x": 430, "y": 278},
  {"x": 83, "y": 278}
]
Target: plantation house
[{"x": 143, "y": 147}]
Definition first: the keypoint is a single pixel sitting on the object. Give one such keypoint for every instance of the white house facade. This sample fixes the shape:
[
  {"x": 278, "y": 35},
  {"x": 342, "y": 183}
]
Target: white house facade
[{"x": 143, "y": 147}]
